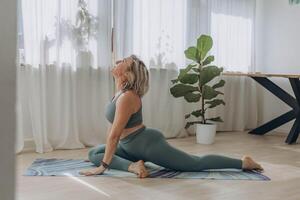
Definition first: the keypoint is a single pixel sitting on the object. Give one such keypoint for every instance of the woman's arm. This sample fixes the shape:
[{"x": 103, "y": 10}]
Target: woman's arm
[{"x": 124, "y": 109}]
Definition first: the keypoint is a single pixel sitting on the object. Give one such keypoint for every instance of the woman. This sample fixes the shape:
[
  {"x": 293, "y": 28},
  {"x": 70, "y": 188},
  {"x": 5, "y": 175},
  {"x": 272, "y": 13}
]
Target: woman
[{"x": 130, "y": 144}]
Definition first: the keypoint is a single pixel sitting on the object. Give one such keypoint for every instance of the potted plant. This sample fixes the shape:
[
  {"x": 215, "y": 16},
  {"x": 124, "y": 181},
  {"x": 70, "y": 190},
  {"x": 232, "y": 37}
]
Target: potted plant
[{"x": 193, "y": 84}]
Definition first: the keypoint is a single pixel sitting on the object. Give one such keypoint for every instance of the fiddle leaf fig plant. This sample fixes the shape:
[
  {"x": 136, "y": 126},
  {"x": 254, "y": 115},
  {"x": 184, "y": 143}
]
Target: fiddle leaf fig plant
[{"x": 193, "y": 82}]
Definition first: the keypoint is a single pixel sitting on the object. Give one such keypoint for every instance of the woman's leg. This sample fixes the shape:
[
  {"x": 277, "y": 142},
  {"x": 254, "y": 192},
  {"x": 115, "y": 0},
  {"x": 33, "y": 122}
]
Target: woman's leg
[
  {"x": 120, "y": 161},
  {"x": 162, "y": 153}
]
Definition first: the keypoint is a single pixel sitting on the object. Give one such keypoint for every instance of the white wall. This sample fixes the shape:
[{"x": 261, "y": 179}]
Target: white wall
[
  {"x": 8, "y": 36},
  {"x": 277, "y": 51}
]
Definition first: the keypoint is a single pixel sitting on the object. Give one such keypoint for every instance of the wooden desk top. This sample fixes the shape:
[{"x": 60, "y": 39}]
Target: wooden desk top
[{"x": 260, "y": 74}]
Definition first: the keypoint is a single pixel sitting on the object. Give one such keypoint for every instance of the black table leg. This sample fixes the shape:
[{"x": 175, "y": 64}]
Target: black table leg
[
  {"x": 294, "y": 132},
  {"x": 294, "y": 103},
  {"x": 282, "y": 119}
]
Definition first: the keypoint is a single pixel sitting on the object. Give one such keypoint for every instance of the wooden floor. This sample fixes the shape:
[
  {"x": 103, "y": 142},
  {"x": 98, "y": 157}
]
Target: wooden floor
[{"x": 281, "y": 163}]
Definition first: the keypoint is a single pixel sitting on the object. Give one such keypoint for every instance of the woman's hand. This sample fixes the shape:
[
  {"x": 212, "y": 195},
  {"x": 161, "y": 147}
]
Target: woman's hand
[{"x": 93, "y": 171}]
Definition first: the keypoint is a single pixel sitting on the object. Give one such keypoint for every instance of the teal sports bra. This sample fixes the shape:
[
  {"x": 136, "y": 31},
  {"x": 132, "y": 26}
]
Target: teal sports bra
[{"x": 134, "y": 120}]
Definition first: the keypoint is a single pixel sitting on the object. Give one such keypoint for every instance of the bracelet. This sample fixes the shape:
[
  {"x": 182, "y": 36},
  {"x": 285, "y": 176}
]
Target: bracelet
[{"x": 105, "y": 165}]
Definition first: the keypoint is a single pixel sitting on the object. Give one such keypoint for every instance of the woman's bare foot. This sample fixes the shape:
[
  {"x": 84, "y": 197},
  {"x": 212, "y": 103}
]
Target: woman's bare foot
[
  {"x": 138, "y": 168},
  {"x": 250, "y": 164}
]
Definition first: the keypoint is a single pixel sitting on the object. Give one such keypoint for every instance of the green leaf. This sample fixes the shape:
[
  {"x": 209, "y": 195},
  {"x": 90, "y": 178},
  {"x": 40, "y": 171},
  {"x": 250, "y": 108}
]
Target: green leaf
[
  {"x": 187, "y": 116},
  {"x": 195, "y": 69},
  {"x": 204, "y": 44},
  {"x": 192, "y": 53},
  {"x": 208, "y": 73},
  {"x": 215, "y": 102},
  {"x": 188, "y": 124},
  {"x": 189, "y": 79},
  {"x": 180, "y": 90},
  {"x": 174, "y": 80},
  {"x": 192, "y": 97},
  {"x": 209, "y": 93},
  {"x": 215, "y": 119},
  {"x": 208, "y": 60},
  {"x": 221, "y": 83},
  {"x": 197, "y": 113},
  {"x": 183, "y": 72}
]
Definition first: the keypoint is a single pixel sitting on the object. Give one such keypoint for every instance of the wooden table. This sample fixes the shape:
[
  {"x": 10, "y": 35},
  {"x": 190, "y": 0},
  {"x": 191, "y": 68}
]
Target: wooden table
[{"x": 293, "y": 102}]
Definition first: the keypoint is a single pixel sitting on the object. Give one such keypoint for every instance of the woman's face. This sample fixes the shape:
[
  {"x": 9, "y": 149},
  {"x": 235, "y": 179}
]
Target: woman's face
[{"x": 120, "y": 68}]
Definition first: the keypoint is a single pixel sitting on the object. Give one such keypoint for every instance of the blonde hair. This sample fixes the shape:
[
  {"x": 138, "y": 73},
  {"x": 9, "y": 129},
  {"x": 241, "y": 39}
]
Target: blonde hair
[{"x": 137, "y": 77}]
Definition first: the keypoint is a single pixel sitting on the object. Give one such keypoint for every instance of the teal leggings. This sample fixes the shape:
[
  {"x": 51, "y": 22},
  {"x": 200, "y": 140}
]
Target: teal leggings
[{"x": 149, "y": 144}]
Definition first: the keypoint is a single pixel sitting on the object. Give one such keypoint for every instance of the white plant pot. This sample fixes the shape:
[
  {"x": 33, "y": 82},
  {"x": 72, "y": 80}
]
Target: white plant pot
[{"x": 205, "y": 133}]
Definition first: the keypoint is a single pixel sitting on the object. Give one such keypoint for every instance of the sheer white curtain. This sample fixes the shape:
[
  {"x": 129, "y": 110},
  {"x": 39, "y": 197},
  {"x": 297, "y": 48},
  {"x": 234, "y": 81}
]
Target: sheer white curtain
[
  {"x": 231, "y": 24},
  {"x": 160, "y": 31},
  {"x": 64, "y": 85},
  {"x": 155, "y": 31}
]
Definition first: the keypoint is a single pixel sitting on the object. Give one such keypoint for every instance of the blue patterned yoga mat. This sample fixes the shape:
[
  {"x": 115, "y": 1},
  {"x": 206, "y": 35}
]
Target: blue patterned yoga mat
[{"x": 71, "y": 167}]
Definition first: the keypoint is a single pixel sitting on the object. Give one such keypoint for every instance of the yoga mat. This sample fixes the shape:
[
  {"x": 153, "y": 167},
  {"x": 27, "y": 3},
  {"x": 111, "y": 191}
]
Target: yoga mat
[{"x": 71, "y": 167}]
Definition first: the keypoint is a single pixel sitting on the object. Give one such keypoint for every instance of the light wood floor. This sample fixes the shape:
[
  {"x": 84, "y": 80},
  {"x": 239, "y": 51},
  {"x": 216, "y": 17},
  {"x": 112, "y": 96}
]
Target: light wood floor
[{"x": 281, "y": 163}]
